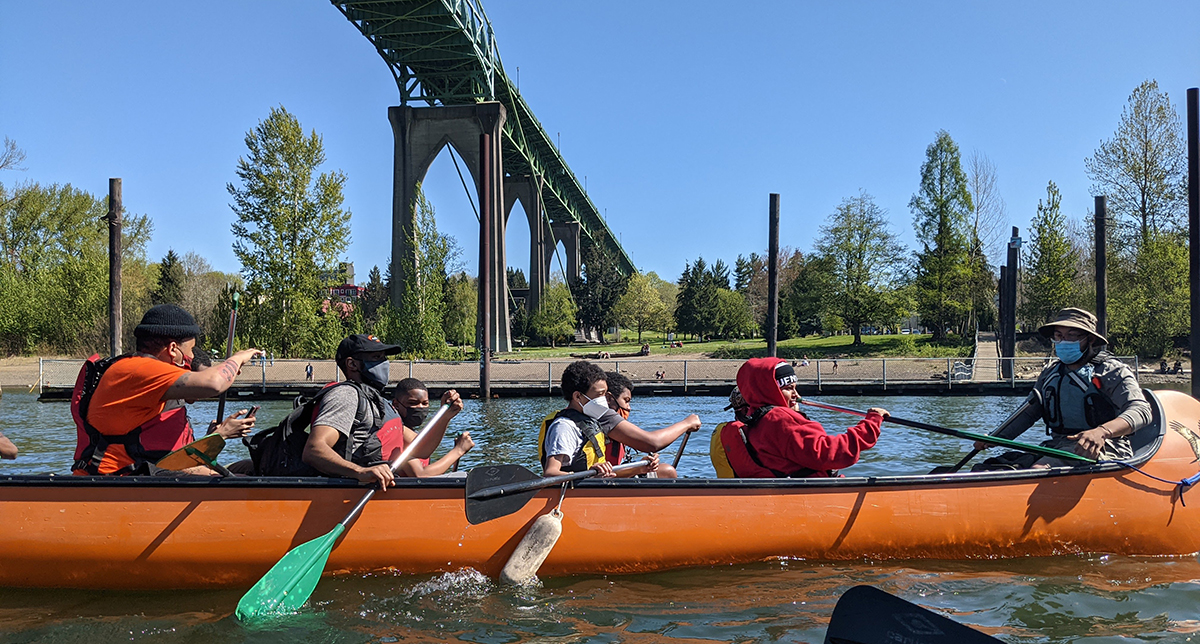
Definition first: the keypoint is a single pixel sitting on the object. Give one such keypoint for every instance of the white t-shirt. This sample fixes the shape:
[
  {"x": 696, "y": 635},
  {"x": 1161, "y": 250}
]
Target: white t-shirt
[{"x": 563, "y": 437}]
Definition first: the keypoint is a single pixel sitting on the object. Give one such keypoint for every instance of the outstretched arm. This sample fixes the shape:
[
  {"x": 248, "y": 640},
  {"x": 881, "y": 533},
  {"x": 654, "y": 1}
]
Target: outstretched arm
[
  {"x": 443, "y": 464},
  {"x": 210, "y": 382},
  {"x": 629, "y": 434}
]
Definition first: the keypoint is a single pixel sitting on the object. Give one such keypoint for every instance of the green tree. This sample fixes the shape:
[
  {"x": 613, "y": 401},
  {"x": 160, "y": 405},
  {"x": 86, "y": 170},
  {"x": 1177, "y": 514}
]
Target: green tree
[
  {"x": 1049, "y": 275},
  {"x": 1153, "y": 306},
  {"x": 667, "y": 293},
  {"x": 171, "y": 280},
  {"x": 419, "y": 323},
  {"x": 641, "y": 307},
  {"x": 696, "y": 309},
  {"x": 865, "y": 260},
  {"x": 555, "y": 317},
  {"x": 461, "y": 304},
  {"x": 597, "y": 291},
  {"x": 941, "y": 209},
  {"x": 375, "y": 295},
  {"x": 733, "y": 315},
  {"x": 743, "y": 272},
  {"x": 1141, "y": 168},
  {"x": 291, "y": 229}
]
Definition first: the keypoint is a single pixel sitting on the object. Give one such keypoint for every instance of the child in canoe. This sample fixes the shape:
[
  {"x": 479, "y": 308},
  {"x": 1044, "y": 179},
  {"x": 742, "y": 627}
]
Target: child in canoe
[{"x": 410, "y": 401}]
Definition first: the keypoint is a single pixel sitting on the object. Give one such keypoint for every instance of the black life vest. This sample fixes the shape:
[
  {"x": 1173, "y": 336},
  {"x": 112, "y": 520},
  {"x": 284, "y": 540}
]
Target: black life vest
[
  {"x": 595, "y": 448},
  {"x": 1097, "y": 408}
]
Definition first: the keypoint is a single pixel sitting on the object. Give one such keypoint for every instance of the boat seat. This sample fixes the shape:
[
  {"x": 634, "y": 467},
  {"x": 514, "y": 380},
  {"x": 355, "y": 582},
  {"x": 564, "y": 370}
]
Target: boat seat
[{"x": 1145, "y": 441}]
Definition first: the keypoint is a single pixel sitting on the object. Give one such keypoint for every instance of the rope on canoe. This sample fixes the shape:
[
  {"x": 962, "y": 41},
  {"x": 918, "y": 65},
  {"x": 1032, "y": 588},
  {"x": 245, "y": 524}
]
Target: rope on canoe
[{"x": 1183, "y": 485}]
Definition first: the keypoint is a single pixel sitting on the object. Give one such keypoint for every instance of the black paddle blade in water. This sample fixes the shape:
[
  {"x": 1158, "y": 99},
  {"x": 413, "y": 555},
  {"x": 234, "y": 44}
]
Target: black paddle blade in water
[
  {"x": 485, "y": 476},
  {"x": 867, "y": 615}
]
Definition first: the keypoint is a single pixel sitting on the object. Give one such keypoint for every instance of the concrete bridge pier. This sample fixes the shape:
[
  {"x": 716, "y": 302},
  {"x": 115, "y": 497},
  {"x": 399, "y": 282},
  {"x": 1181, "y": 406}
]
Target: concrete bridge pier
[
  {"x": 568, "y": 233},
  {"x": 420, "y": 134},
  {"x": 528, "y": 190}
]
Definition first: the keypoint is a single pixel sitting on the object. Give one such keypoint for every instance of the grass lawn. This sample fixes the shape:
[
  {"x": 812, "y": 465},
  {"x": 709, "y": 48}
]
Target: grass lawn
[{"x": 911, "y": 346}]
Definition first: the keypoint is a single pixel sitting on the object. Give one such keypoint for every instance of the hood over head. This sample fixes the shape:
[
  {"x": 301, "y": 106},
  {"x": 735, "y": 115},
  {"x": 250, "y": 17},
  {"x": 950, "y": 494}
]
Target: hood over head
[{"x": 756, "y": 381}]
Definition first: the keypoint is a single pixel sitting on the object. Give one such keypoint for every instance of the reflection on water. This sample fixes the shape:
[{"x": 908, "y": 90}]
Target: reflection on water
[{"x": 1058, "y": 599}]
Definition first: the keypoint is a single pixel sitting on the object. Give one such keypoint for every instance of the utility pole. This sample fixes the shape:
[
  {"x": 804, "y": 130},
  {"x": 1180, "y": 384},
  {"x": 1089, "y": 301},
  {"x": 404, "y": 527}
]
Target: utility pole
[
  {"x": 1193, "y": 146},
  {"x": 773, "y": 275},
  {"x": 114, "y": 266},
  {"x": 1102, "y": 265},
  {"x": 485, "y": 264}
]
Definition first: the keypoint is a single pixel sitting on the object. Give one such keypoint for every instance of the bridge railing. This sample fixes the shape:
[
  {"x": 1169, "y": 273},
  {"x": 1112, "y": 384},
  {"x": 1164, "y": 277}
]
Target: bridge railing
[{"x": 644, "y": 372}]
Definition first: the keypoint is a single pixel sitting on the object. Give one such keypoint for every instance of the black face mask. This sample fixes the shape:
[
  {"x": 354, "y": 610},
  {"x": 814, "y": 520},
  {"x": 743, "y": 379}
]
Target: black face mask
[{"x": 413, "y": 416}]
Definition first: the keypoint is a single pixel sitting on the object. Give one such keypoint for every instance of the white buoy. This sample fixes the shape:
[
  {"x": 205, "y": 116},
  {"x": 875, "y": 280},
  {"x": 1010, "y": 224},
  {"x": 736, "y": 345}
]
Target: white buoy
[{"x": 533, "y": 549}]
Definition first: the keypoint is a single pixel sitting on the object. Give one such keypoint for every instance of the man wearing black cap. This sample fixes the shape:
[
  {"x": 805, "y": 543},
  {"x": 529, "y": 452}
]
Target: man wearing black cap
[
  {"x": 129, "y": 409},
  {"x": 1090, "y": 401},
  {"x": 343, "y": 441}
]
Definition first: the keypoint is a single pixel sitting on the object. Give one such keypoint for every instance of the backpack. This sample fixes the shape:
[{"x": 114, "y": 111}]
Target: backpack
[{"x": 279, "y": 450}]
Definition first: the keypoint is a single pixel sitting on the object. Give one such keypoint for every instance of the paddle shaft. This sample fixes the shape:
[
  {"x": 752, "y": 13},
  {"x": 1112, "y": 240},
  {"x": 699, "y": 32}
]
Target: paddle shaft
[
  {"x": 1020, "y": 410},
  {"x": 682, "y": 446},
  {"x": 958, "y": 433},
  {"x": 397, "y": 462},
  {"x": 228, "y": 353},
  {"x": 547, "y": 481}
]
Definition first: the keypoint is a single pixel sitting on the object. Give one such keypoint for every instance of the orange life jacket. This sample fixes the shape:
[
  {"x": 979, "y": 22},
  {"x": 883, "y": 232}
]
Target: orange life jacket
[{"x": 132, "y": 452}]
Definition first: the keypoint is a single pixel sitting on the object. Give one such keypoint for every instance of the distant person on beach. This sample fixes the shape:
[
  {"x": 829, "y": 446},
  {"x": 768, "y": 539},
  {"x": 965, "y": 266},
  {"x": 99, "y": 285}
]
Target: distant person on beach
[
  {"x": 770, "y": 439},
  {"x": 129, "y": 410},
  {"x": 410, "y": 401},
  {"x": 308, "y": 371},
  {"x": 620, "y": 398},
  {"x": 1090, "y": 401},
  {"x": 575, "y": 439}
]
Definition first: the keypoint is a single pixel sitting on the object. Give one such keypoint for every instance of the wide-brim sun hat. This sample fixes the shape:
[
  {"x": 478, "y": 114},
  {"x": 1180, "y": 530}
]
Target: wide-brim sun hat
[{"x": 1075, "y": 319}]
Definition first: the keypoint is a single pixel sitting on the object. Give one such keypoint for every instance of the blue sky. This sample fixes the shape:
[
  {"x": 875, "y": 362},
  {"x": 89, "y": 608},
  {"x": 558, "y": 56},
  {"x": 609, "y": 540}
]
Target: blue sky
[{"x": 682, "y": 116}]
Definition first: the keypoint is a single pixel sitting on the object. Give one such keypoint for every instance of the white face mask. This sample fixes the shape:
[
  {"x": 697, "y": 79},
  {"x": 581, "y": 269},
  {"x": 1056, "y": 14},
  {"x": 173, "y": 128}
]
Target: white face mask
[{"x": 595, "y": 407}]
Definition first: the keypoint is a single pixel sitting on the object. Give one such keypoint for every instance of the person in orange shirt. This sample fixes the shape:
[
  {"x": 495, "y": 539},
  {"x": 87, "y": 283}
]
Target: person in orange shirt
[{"x": 129, "y": 410}]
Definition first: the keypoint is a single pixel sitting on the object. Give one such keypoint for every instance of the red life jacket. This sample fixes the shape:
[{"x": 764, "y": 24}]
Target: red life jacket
[
  {"x": 132, "y": 452},
  {"x": 391, "y": 440},
  {"x": 733, "y": 439}
]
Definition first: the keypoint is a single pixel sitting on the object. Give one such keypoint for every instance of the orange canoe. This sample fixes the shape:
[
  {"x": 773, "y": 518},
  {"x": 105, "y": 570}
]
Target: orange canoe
[{"x": 141, "y": 533}]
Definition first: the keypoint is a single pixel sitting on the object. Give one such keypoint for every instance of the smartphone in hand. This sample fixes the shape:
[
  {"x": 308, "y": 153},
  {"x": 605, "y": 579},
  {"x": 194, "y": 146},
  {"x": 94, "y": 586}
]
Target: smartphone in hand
[{"x": 253, "y": 411}]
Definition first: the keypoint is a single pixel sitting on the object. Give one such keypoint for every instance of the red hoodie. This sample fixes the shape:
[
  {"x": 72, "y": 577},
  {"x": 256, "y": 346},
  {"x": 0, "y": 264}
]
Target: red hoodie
[{"x": 787, "y": 441}]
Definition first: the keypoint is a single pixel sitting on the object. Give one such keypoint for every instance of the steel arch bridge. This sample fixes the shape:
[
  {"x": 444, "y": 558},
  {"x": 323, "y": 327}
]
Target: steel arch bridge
[{"x": 443, "y": 53}]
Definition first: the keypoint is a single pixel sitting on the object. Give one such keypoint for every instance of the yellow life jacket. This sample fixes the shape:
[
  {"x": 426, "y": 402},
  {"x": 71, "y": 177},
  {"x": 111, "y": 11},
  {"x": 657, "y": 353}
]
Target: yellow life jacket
[
  {"x": 716, "y": 452},
  {"x": 594, "y": 440}
]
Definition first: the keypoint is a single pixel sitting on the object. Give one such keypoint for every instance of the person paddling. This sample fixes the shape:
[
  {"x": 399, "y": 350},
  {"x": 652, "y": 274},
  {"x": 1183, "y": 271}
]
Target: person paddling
[
  {"x": 778, "y": 441},
  {"x": 410, "y": 401},
  {"x": 575, "y": 439},
  {"x": 625, "y": 433},
  {"x": 1089, "y": 401},
  {"x": 129, "y": 410}
]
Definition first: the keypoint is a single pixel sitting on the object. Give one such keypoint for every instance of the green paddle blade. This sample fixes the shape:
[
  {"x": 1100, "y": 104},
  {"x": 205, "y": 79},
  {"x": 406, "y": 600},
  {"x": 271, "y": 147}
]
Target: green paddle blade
[{"x": 289, "y": 583}]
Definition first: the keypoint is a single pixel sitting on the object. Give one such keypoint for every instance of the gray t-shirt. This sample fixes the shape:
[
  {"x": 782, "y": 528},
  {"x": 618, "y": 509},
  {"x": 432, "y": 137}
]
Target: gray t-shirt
[{"x": 337, "y": 410}]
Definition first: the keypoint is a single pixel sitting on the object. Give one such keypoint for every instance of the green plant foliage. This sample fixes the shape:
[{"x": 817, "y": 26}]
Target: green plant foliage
[
  {"x": 555, "y": 317},
  {"x": 1151, "y": 306},
  {"x": 941, "y": 210},
  {"x": 1048, "y": 278},
  {"x": 596, "y": 293},
  {"x": 641, "y": 307},
  {"x": 171, "y": 279},
  {"x": 291, "y": 230}
]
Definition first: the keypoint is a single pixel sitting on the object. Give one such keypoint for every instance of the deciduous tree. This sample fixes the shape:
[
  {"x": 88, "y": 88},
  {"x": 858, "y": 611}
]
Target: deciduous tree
[
  {"x": 555, "y": 317},
  {"x": 641, "y": 307}
]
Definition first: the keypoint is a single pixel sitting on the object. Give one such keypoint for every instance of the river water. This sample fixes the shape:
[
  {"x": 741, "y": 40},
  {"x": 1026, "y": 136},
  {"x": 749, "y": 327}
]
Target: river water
[{"x": 1059, "y": 599}]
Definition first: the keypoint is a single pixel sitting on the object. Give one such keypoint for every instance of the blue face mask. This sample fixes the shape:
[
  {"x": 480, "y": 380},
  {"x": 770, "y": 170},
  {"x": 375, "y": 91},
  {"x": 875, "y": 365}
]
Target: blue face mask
[
  {"x": 1068, "y": 351},
  {"x": 375, "y": 373}
]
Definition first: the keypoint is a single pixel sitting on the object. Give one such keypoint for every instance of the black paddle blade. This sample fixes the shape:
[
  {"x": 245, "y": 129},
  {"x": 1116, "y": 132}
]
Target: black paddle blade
[
  {"x": 867, "y": 615},
  {"x": 485, "y": 476}
]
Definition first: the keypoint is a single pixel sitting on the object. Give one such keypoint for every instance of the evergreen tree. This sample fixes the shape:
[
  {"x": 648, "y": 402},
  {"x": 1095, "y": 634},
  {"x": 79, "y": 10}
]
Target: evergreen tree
[
  {"x": 940, "y": 210},
  {"x": 804, "y": 299},
  {"x": 743, "y": 272},
  {"x": 375, "y": 295},
  {"x": 597, "y": 291},
  {"x": 170, "y": 280},
  {"x": 697, "y": 301},
  {"x": 418, "y": 323},
  {"x": 291, "y": 230},
  {"x": 720, "y": 273},
  {"x": 865, "y": 259},
  {"x": 1050, "y": 269},
  {"x": 516, "y": 278}
]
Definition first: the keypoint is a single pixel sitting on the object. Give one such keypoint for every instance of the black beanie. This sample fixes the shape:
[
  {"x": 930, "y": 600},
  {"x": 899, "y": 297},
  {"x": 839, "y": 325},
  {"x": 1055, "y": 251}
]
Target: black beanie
[{"x": 167, "y": 321}]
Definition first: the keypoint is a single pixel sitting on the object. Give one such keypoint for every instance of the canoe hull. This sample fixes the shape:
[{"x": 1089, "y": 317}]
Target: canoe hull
[{"x": 164, "y": 534}]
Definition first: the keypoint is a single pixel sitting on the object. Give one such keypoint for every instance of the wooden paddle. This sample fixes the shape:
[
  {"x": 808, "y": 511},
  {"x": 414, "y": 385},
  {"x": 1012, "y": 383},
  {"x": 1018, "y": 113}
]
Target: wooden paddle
[
  {"x": 289, "y": 583},
  {"x": 682, "y": 446},
  {"x": 499, "y": 490},
  {"x": 867, "y": 615},
  {"x": 228, "y": 353},
  {"x": 958, "y": 433}
]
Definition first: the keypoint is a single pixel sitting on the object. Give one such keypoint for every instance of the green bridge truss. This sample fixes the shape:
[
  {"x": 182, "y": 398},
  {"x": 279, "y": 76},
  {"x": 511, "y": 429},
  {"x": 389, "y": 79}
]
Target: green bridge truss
[{"x": 443, "y": 52}]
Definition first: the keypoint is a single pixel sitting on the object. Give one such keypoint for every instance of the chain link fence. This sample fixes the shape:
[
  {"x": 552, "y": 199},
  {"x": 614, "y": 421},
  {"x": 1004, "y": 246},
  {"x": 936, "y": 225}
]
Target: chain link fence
[{"x": 60, "y": 374}]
